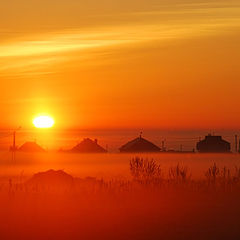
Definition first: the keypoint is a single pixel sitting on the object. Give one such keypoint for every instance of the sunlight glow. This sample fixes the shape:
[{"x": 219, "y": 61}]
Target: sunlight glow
[{"x": 43, "y": 122}]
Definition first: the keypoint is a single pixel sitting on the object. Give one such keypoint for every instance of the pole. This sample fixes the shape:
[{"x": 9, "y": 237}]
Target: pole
[
  {"x": 14, "y": 147},
  {"x": 14, "y": 139},
  {"x": 181, "y": 148},
  {"x": 163, "y": 146},
  {"x": 236, "y": 143},
  {"x": 239, "y": 146}
]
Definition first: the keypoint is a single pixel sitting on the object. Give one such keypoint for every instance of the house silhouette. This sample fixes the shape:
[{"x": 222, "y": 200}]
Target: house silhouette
[
  {"x": 213, "y": 144},
  {"x": 139, "y": 144},
  {"x": 88, "y": 146},
  {"x": 30, "y": 147}
]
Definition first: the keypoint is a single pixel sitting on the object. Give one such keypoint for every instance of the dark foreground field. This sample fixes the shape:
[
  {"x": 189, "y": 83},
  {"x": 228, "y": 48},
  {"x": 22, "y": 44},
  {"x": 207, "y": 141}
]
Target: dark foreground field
[{"x": 54, "y": 205}]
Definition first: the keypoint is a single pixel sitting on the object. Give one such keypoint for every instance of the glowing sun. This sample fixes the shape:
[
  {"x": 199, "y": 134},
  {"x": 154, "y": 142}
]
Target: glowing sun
[{"x": 43, "y": 122}]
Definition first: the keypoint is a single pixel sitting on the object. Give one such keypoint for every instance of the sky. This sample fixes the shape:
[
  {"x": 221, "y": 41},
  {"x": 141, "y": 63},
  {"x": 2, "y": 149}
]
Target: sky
[{"x": 153, "y": 64}]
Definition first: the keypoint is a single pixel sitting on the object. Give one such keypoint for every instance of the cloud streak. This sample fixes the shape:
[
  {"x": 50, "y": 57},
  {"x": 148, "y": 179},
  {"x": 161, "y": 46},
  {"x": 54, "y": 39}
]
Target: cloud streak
[{"x": 52, "y": 48}]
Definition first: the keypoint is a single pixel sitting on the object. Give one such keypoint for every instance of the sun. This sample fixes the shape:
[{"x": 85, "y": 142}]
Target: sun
[{"x": 43, "y": 122}]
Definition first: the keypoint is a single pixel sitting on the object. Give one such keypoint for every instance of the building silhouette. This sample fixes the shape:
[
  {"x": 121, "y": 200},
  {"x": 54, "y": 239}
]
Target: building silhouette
[
  {"x": 139, "y": 145},
  {"x": 30, "y": 147},
  {"x": 213, "y": 144},
  {"x": 51, "y": 177},
  {"x": 88, "y": 146}
]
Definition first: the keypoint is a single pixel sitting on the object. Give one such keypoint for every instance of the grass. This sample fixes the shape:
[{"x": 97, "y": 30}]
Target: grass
[
  {"x": 145, "y": 174},
  {"x": 155, "y": 203}
]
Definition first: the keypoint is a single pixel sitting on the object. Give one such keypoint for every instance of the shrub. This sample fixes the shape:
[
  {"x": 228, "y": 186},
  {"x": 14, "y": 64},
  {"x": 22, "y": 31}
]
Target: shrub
[
  {"x": 144, "y": 170},
  {"x": 212, "y": 173},
  {"x": 179, "y": 173}
]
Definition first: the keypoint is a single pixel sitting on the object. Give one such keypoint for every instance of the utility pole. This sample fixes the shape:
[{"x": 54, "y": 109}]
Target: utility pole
[
  {"x": 163, "y": 146},
  {"x": 14, "y": 148},
  {"x": 236, "y": 143},
  {"x": 239, "y": 146}
]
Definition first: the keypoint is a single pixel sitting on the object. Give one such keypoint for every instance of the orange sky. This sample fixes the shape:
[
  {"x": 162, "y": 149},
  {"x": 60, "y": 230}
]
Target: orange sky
[{"x": 120, "y": 64}]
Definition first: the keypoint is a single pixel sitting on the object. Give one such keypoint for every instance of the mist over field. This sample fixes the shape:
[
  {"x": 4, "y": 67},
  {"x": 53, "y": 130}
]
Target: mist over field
[
  {"x": 109, "y": 165},
  {"x": 114, "y": 196}
]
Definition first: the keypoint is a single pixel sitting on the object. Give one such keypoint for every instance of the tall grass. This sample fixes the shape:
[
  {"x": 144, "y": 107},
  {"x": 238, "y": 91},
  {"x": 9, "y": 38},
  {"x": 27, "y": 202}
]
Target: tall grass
[
  {"x": 145, "y": 171},
  {"x": 145, "y": 174},
  {"x": 179, "y": 174}
]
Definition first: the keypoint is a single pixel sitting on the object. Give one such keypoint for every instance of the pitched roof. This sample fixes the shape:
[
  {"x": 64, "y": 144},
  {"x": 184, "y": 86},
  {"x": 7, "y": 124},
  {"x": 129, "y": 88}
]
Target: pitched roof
[
  {"x": 213, "y": 144},
  {"x": 139, "y": 145},
  {"x": 31, "y": 147},
  {"x": 88, "y": 146}
]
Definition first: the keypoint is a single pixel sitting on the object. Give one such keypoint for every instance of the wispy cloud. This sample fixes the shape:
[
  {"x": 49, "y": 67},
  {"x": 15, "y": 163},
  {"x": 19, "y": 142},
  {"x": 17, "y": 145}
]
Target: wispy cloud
[{"x": 51, "y": 48}]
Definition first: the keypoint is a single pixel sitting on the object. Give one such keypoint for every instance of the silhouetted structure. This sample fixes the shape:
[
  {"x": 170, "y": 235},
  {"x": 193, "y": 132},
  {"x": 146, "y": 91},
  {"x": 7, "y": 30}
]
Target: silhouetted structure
[
  {"x": 31, "y": 147},
  {"x": 139, "y": 145},
  {"x": 213, "y": 144},
  {"x": 88, "y": 146},
  {"x": 239, "y": 146},
  {"x": 51, "y": 178}
]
